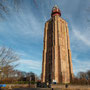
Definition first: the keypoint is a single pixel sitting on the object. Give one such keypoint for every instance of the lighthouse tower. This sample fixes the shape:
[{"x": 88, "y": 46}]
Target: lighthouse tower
[{"x": 57, "y": 62}]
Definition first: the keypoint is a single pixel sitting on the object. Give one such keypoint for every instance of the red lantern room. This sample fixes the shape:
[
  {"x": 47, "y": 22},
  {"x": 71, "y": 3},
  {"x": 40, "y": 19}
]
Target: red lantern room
[{"x": 55, "y": 11}]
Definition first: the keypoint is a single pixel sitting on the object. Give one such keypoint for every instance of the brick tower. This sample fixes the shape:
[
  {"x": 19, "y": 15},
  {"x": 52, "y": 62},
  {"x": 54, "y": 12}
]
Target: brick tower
[{"x": 57, "y": 62}]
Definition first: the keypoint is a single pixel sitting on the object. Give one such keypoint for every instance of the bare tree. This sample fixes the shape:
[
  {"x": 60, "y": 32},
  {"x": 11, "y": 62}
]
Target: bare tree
[
  {"x": 81, "y": 75},
  {"x": 7, "y": 61},
  {"x": 88, "y": 74},
  {"x": 37, "y": 78}
]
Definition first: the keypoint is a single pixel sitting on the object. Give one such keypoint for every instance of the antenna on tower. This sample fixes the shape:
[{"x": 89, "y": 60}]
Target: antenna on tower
[{"x": 55, "y": 6}]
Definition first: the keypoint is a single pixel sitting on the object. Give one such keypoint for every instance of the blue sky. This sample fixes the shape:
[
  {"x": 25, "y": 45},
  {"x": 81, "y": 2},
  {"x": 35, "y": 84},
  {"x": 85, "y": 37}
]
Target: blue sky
[{"x": 23, "y": 30}]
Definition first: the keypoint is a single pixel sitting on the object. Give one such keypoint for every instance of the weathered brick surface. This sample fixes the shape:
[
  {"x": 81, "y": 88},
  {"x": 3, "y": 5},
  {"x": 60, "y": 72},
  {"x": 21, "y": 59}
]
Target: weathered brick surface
[{"x": 57, "y": 62}]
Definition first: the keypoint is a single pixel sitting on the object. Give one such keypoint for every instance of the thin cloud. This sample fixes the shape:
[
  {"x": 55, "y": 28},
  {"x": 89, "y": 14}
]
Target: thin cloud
[
  {"x": 30, "y": 65},
  {"x": 80, "y": 65},
  {"x": 82, "y": 37},
  {"x": 33, "y": 64}
]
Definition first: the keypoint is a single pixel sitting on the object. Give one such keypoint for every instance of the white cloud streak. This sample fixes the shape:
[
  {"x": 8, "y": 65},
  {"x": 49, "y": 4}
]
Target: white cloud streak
[
  {"x": 82, "y": 37},
  {"x": 80, "y": 65},
  {"x": 30, "y": 66}
]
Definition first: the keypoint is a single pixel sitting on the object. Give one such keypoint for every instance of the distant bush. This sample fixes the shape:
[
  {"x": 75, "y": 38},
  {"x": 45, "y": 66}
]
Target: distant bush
[
  {"x": 14, "y": 81},
  {"x": 7, "y": 81},
  {"x": 80, "y": 81},
  {"x": 24, "y": 82}
]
